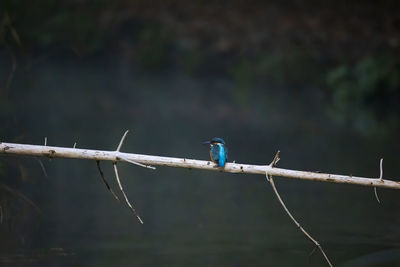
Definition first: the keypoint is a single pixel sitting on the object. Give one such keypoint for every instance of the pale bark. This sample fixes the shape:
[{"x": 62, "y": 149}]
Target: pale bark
[{"x": 115, "y": 156}]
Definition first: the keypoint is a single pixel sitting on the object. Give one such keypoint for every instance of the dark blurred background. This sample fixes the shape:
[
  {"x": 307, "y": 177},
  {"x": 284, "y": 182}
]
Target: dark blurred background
[{"x": 318, "y": 80}]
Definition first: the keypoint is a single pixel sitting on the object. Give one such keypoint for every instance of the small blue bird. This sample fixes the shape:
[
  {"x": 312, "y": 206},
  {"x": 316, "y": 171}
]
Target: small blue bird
[{"x": 218, "y": 151}]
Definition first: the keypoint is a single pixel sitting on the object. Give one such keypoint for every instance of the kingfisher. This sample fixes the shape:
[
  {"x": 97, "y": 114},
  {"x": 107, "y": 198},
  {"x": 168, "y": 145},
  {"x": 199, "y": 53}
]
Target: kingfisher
[{"x": 218, "y": 151}]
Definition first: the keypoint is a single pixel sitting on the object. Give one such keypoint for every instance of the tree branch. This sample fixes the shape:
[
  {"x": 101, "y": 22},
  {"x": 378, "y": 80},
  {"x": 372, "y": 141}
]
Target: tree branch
[
  {"x": 271, "y": 181},
  {"x": 123, "y": 193},
  {"x": 115, "y": 156},
  {"x": 119, "y": 181},
  {"x": 381, "y": 179},
  {"x": 22, "y": 197},
  {"x": 105, "y": 181}
]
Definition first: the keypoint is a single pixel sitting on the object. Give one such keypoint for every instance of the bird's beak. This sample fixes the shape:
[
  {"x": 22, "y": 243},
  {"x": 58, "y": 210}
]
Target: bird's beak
[{"x": 206, "y": 143}]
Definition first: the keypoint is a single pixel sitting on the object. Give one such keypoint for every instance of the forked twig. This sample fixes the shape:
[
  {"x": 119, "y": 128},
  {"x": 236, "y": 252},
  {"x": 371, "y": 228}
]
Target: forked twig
[
  {"x": 129, "y": 160},
  {"x": 380, "y": 178},
  {"x": 119, "y": 182},
  {"x": 271, "y": 181},
  {"x": 105, "y": 181}
]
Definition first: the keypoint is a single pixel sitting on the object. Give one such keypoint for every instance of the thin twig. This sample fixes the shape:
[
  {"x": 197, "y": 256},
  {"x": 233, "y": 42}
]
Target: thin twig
[
  {"x": 310, "y": 255},
  {"x": 276, "y": 159},
  {"x": 74, "y": 145},
  {"x": 22, "y": 197},
  {"x": 123, "y": 192},
  {"x": 41, "y": 163},
  {"x": 129, "y": 160},
  {"x": 376, "y": 195},
  {"x": 122, "y": 140},
  {"x": 271, "y": 181},
  {"x": 13, "y": 68},
  {"x": 380, "y": 178},
  {"x": 136, "y": 163},
  {"x": 43, "y": 168},
  {"x": 105, "y": 181},
  {"x": 6, "y": 23}
]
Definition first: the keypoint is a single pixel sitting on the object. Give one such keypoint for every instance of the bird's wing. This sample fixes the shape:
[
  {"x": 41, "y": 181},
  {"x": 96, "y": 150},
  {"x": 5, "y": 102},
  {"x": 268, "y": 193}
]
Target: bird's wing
[{"x": 215, "y": 152}]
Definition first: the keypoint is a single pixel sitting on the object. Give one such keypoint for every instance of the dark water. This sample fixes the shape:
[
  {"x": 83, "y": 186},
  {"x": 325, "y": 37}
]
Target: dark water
[{"x": 191, "y": 217}]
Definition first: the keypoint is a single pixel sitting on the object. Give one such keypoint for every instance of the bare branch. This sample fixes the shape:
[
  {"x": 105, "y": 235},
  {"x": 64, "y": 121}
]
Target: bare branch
[
  {"x": 105, "y": 181},
  {"x": 123, "y": 192},
  {"x": 147, "y": 160},
  {"x": 13, "y": 68},
  {"x": 271, "y": 181},
  {"x": 65, "y": 152},
  {"x": 121, "y": 157},
  {"x": 122, "y": 140},
  {"x": 275, "y": 160},
  {"x": 312, "y": 251},
  {"x": 310, "y": 255},
  {"x": 22, "y": 197},
  {"x": 136, "y": 163},
  {"x": 376, "y": 195},
  {"x": 43, "y": 168},
  {"x": 380, "y": 179}
]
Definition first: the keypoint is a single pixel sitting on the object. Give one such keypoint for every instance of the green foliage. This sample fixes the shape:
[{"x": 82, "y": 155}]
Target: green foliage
[
  {"x": 243, "y": 76},
  {"x": 271, "y": 68},
  {"x": 152, "y": 46},
  {"x": 278, "y": 68},
  {"x": 53, "y": 23},
  {"x": 191, "y": 59},
  {"x": 365, "y": 94}
]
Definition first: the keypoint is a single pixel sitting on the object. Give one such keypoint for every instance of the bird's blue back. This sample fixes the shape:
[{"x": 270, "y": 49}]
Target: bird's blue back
[{"x": 218, "y": 153}]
